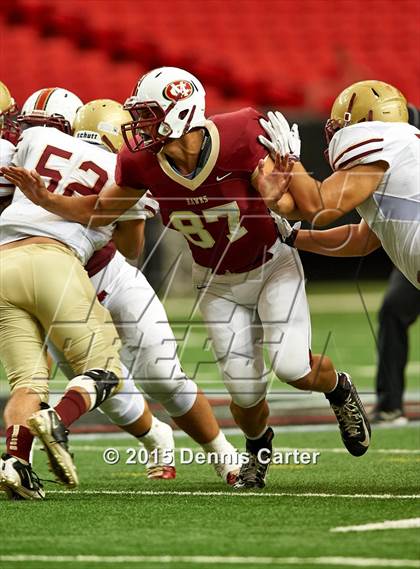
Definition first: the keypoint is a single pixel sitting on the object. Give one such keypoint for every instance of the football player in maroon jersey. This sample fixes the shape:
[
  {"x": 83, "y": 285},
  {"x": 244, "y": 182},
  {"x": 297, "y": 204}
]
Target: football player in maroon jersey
[{"x": 206, "y": 175}]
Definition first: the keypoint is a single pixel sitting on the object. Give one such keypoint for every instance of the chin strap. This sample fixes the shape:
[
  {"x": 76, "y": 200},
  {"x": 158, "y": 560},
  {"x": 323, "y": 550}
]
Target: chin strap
[{"x": 190, "y": 118}]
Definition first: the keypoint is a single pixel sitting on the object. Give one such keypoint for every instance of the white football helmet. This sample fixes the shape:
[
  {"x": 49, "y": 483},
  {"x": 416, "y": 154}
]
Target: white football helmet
[
  {"x": 53, "y": 107},
  {"x": 166, "y": 104}
]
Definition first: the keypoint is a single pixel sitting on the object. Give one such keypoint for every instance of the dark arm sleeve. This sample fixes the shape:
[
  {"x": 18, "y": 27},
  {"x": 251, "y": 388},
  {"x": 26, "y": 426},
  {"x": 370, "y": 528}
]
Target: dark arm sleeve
[{"x": 128, "y": 169}]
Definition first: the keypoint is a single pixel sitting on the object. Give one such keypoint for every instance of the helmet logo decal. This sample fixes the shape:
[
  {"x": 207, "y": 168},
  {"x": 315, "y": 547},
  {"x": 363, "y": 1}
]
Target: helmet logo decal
[
  {"x": 108, "y": 127},
  {"x": 178, "y": 90}
]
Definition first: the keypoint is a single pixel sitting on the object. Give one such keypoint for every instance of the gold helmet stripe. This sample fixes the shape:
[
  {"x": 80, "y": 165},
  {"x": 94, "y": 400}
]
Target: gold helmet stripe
[
  {"x": 351, "y": 103},
  {"x": 105, "y": 139}
]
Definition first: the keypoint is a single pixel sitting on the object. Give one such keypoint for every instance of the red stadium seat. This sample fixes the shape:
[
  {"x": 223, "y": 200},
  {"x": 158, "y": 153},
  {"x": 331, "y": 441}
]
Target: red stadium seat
[{"x": 255, "y": 51}]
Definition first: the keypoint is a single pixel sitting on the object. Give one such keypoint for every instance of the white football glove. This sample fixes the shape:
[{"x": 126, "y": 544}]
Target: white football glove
[
  {"x": 294, "y": 141},
  {"x": 287, "y": 232},
  {"x": 282, "y": 138}
]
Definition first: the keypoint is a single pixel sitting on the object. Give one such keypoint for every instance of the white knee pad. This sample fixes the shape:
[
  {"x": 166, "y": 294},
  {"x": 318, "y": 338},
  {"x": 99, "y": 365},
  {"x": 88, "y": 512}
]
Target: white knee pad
[
  {"x": 245, "y": 379},
  {"x": 292, "y": 372},
  {"x": 164, "y": 381},
  {"x": 126, "y": 406},
  {"x": 292, "y": 366}
]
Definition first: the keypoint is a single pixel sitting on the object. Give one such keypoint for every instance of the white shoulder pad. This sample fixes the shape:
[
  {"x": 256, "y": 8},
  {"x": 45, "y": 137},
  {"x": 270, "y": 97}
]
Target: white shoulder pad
[
  {"x": 145, "y": 208},
  {"x": 356, "y": 144},
  {"x": 23, "y": 145},
  {"x": 7, "y": 151},
  {"x": 34, "y": 139}
]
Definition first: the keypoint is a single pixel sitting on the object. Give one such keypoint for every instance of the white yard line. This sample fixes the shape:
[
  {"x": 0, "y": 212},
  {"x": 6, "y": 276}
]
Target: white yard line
[
  {"x": 387, "y": 524},
  {"x": 214, "y": 560},
  {"x": 234, "y": 494}
]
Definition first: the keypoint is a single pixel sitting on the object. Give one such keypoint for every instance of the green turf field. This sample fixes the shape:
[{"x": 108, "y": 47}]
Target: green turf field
[{"x": 120, "y": 519}]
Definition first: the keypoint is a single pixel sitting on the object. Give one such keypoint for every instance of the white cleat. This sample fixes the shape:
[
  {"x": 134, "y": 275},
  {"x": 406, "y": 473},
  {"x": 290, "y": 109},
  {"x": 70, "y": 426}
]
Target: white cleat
[
  {"x": 47, "y": 426},
  {"x": 18, "y": 480},
  {"x": 160, "y": 446}
]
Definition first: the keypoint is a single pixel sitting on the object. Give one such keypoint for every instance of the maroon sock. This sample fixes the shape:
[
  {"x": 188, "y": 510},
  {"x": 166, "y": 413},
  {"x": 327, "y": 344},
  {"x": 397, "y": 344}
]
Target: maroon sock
[
  {"x": 71, "y": 407},
  {"x": 19, "y": 441}
]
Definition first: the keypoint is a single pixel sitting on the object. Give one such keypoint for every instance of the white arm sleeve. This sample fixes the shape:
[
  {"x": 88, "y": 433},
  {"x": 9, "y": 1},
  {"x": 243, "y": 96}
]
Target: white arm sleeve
[{"x": 21, "y": 150}]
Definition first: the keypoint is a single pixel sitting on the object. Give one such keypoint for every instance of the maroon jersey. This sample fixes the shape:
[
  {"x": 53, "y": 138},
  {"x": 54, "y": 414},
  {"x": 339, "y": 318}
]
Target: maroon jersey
[{"x": 222, "y": 216}]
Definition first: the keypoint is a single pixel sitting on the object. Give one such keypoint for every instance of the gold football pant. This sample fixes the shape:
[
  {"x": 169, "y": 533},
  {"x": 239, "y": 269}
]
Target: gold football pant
[{"x": 45, "y": 294}]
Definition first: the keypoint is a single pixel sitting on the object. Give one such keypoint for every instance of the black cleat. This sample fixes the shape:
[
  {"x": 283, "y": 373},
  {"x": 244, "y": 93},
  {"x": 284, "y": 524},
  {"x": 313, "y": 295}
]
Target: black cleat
[
  {"x": 253, "y": 473},
  {"x": 351, "y": 415},
  {"x": 18, "y": 480},
  {"x": 52, "y": 433}
]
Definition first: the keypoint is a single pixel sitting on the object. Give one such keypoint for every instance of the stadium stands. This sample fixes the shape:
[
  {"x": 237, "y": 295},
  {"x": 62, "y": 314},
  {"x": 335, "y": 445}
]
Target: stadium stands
[{"x": 259, "y": 52}]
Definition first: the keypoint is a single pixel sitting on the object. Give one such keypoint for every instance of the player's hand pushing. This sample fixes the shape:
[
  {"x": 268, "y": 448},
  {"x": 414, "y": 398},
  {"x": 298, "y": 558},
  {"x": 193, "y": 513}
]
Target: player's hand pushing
[
  {"x": 29, "y": 182},
  {"x": 281, "y": 137},
  {"x": 274, "y": 185}
]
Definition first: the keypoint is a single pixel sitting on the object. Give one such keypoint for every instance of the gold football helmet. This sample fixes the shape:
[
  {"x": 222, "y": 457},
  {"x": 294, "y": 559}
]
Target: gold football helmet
[
  {"x": 100, "y": 122},
  {"x": 367, "y": 101},
  {"x": 7, "y": 103},
  {"x": 8, "y": 107}
]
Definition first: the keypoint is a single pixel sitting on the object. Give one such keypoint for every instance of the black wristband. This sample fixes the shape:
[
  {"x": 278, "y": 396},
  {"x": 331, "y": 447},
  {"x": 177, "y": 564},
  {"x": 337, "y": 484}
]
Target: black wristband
[{"x": 292, "y": 238}]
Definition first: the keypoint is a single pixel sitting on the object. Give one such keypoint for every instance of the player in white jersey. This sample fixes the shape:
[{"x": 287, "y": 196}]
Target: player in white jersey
[
  {"x": 6, "y": 188},
  {"x": 44, "y": 292},
  {"x": 19, "y": 224},
  {"x": 70, "y": 165},
  {"x": 9, "y": 129},
  {"x": 7, "y": 106},
  {"x": 375, "y": 156}
]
